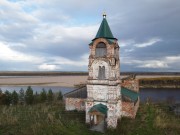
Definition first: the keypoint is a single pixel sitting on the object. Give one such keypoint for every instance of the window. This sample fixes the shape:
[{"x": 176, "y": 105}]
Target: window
[
  {"x": 101, "y": 50},
  {"x": 101, "y": 73}
]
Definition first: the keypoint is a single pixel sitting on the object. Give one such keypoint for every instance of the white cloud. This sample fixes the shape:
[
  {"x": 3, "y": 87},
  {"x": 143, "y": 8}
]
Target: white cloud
[
  {"x": 153, "y": 64},
  {"x": 148, "y": 43},
  {"x": 48, "y": 67},
  {"x": 8, "y": 54},
  {"x": 13, "y": 13},
  {"x": 167, "y": 62},
  {"x": 126, "y": 43},
  {"x": 173, "y": 59},
  {"x": 46, "y": 35},
  {"x": 48, "y": 16}
]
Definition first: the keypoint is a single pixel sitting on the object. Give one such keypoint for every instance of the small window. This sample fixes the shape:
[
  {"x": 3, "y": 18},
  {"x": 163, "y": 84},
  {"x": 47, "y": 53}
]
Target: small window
[
  {"x": 101, "y": 73},
  {"x": 101, "y": 50}
]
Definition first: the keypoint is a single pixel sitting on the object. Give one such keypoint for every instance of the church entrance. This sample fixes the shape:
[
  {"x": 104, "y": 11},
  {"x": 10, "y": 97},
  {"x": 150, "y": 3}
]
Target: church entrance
[
  {"x": 98, "y": 114},
  {"x": 97, "y": 122},
  {"x": 96, "y": 118}
]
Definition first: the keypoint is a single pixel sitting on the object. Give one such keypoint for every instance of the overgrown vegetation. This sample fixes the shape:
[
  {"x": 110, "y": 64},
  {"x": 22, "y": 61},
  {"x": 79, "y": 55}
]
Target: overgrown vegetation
[
  {"x": 51, "y": 119},
  {"x": 161, "y": 82},
  {"x": 41, "y": 119},
  {"x": 151, "y": 119}
]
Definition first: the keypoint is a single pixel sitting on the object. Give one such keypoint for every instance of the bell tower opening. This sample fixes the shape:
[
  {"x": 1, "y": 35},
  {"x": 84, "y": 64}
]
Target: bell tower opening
[{"x": 101, "y": 50}]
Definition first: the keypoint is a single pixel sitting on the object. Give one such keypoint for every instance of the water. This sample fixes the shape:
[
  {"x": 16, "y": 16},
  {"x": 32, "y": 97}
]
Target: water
[
  {"x": 155, "y": 95},
  {"x": 160, "y": 95}
]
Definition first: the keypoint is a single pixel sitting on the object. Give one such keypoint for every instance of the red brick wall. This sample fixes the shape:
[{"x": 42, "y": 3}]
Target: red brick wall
[
  {"x": 75, "y": 104},
  {"x": 129, "y": 109},
  {"x": 132, "y": 84}
]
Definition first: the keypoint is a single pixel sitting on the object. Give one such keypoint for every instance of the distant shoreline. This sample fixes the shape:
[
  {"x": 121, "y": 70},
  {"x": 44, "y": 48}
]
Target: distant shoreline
[
  {"x": 160, "y": 82},
  {"x": 58, "y": 73}
]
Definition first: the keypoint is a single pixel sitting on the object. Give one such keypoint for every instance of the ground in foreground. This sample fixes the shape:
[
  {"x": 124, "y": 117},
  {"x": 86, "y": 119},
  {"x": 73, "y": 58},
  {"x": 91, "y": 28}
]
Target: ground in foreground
[{"x": 51, "y": 119}]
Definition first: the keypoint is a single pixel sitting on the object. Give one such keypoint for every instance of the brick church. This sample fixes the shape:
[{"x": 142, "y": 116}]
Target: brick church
[{"x": 106, "y": 97}]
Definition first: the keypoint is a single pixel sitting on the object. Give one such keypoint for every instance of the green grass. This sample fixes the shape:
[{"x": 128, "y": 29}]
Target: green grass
[{"x": 51, "y": 119}]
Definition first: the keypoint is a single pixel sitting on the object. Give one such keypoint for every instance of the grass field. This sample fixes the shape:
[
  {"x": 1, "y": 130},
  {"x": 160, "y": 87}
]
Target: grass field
[{"x": 51, "y": 119}]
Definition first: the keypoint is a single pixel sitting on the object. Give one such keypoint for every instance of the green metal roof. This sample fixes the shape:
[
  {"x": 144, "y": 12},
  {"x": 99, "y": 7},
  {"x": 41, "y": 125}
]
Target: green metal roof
[
  {"x": 104, "y": 30},
  {"x": 111, "y": 40},
  {"x": 100, "y": 108},
  {"x": 129, "y": 93}
]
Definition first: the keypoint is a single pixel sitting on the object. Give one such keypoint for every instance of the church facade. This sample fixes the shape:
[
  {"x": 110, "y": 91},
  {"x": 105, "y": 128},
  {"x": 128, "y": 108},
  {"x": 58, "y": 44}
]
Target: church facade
[{"x": 106, "y": 97}]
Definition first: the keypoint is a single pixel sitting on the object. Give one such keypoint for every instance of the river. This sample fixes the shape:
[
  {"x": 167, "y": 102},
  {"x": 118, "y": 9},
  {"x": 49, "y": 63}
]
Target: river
[
  {"x": 154, "y": 95},
  {"x": 160, "y": 94}
]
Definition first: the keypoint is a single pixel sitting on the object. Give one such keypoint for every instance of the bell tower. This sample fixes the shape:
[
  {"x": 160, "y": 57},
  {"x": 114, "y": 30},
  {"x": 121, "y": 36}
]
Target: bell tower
[{"x": 103, "y": 102}]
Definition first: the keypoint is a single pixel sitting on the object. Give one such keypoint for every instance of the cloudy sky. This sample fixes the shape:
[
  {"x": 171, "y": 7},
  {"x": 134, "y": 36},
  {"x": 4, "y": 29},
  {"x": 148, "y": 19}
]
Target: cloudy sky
[{"x": 53, "y": 35}]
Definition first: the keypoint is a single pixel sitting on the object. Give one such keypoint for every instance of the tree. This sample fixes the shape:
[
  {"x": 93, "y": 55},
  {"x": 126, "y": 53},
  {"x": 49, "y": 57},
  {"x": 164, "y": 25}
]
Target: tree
[
  {"x": 37, "y": 98},
  {"x": 2, "y": 97},
  {"x": 1, "y": 92},
  {"x": 21, "y": 96},
  {"x": 7, "y": 98},
  {"x": 29, "y": 97},
  {"x": 50, "y": 95},
  {"x": 14, "y": 98},
  {"x": 60, "y": 96},
  {"x": 43, "y": 95}
]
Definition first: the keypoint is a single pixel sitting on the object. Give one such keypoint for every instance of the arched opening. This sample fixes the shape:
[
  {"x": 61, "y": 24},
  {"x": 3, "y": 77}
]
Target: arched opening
[
  {"x": 101, "y": 50},
  {"x": 98, "y": 115},
  {"x": 101, "y": 73}
]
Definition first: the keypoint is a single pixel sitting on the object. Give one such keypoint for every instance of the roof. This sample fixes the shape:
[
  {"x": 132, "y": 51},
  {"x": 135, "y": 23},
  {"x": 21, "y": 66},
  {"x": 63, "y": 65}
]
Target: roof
[
  {"x": 104, "y": 31},
  {"x": 129, "y": 93},
  {"x": 77, "y": 93},
  {"x": 100, "y": 108}
]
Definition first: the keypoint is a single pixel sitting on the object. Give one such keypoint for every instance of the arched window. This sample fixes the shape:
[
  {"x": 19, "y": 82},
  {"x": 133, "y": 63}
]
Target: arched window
[
  {"x": 101, "y": 50},
  {"x": 101, "y": 73}
]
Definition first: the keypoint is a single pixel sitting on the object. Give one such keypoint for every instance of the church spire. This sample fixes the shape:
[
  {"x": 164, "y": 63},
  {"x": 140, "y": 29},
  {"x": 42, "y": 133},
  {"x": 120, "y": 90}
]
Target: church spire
[{"x": 104, "y": 30}]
